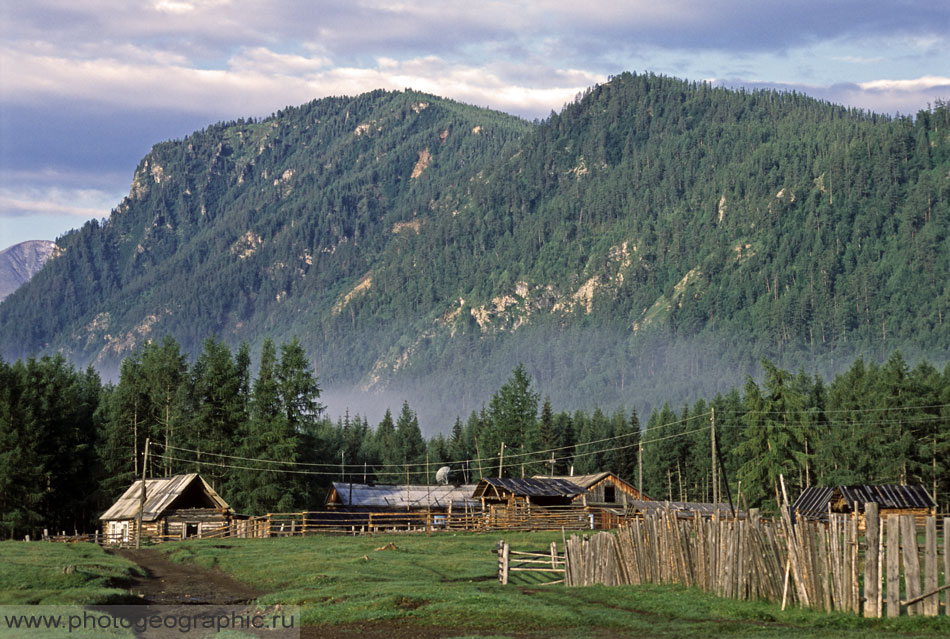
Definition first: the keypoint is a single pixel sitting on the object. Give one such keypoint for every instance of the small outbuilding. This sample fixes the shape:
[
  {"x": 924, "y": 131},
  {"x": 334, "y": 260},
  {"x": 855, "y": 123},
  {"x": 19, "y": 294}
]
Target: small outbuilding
[
  {"x": 381, "y": 498},
  {"x": 816, "y": 502},
  {"x": 546, "y": 491},
  {"x": 601, "y": 489},
  {"x": 176, "y": 507}
]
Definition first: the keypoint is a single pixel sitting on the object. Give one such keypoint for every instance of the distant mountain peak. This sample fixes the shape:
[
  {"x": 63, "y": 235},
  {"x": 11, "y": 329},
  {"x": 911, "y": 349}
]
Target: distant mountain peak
[{"x": 22, "y": 261}]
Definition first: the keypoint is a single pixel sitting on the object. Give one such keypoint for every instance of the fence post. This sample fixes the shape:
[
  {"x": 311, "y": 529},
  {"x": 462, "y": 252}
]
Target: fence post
[
  {"x": 872, "y": 578},
  {"x": 931, "y": 605},
  {"x": 946, "y": 561},
  {"x": 503, "y": 550},
  {"x": 911, "y": 562},
  {"x": 893, "y": 566}
]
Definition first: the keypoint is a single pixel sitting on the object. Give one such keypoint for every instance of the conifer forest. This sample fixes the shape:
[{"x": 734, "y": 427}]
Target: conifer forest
[{"x": 597, "y": 290}]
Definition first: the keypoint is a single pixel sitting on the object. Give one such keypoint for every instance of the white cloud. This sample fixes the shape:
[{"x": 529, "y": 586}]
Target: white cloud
[
  {"x": 853, "y": 59},
  {"x": 926, "y": 83},
  {"x": 261, "y": 60},
  {"x": 83, "y": 204},
  {"x": 167, "y": 6},
  {"x": 906, "y": 97},
  {"x": 259, "y": 81}
]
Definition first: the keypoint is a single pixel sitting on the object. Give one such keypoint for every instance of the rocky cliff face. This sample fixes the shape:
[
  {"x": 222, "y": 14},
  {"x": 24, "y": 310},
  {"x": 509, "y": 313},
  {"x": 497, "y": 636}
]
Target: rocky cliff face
[{"x": 20, "y": 262}]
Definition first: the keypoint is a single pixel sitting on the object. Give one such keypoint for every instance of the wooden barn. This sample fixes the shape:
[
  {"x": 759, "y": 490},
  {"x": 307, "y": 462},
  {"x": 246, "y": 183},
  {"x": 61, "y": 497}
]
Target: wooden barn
[
  {"x": 176, "y": 507},
  {"x": 815, "y": 502},
  {"x": 601, "y": 489}
]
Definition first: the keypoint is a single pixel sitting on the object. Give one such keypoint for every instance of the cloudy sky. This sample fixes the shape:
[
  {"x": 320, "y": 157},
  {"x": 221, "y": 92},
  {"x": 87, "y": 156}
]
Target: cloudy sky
[{"x": 87, "y": 87}]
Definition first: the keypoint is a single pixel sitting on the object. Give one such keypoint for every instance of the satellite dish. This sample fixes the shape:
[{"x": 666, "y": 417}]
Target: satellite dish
[{"x": 442, "y": 475}]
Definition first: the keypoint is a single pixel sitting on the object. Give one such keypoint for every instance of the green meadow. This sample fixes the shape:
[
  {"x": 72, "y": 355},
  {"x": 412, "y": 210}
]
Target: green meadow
[
  {"x": 449, "y": 581},
  {"x": 45, "y": 573},
  {"x": 444, "y": 584}
]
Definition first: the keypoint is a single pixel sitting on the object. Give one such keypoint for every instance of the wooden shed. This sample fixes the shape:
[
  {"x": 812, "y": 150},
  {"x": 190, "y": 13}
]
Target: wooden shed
[
  {"x": 179, "y": 507},
  {"x": 601, "y": 489},
  {"x": 536, "y": 491},
  {"x": 815, "y": 502}
]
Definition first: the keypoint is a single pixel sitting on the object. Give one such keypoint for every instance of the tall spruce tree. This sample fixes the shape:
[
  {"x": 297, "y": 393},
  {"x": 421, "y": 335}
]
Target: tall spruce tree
[
  {"x": 513, "y": 412},
  {"x": 773, "y": 440}
]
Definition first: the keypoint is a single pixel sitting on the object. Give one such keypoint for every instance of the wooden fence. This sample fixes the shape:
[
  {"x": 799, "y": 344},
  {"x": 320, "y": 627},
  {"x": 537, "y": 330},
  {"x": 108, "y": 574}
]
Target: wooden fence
[
  {"x": 540, "y": 564},
  {"x": 368, "y": 523},
  {"x": 827, "y": 566}
]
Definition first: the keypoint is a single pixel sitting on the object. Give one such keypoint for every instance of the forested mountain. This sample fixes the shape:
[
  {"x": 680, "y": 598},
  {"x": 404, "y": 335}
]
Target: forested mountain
[{"x": 653, "y": 240}]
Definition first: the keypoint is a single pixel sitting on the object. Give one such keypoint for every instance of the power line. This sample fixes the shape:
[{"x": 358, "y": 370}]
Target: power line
[
  {"x": 401, "y": 468},
  {"x": 860, "y": 410}
]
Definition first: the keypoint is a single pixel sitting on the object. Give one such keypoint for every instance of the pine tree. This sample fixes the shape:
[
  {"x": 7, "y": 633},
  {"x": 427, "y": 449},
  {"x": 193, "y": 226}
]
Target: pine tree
[
  {"x": 410, "y": 448},
  {"x": 218, "y": 413},
  {"x": 773, "y": 441},
  {"x": 384, "y": 440},
  {"x": 267, "y": 436},
  {"x": 513, "y": 412},
  {"x": 548, "y": 439},
  {"x": 163, "y": 373},
  {"x": 661, "y": 454},
  {"x": 298, "y": 387},
  {"x": 125, "y": 418}
]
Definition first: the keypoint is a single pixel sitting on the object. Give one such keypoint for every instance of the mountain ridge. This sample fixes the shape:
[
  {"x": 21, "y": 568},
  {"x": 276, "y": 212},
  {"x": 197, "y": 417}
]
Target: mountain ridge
[
  {"x": 652, "y": 234},
  {"x": 20, "y": 262}
]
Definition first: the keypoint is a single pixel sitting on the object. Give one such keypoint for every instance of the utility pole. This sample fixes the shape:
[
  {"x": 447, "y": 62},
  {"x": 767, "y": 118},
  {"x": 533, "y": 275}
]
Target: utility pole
[
  {"x": 501, "y": 458},
  {"x": 428, "y": 502},
  {"x": 478, "y": 459},
  {"x": 715, "y": 474},
  {"x": 640, "y": 469},
  {"x": 141, "y": 516}
]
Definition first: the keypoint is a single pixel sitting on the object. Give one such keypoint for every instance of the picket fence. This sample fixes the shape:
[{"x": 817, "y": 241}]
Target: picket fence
[{"x": 822, "y": 565}]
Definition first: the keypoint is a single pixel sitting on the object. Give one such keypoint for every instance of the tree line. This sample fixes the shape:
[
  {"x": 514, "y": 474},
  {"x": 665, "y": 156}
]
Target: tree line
[{"x": 70, "y": 445}]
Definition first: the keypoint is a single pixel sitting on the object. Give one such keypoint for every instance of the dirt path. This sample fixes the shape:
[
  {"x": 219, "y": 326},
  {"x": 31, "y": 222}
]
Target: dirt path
[{"x": 169, "y": 583}]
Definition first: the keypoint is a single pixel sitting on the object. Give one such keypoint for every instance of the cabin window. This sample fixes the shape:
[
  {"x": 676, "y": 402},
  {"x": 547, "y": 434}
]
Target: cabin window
[
  {"x": 610, "y": 494},
  {"x": 191, "y": 530}
]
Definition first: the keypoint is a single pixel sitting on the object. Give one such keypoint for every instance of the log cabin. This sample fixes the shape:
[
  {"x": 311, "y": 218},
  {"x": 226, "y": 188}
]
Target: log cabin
[{"x": 176, "y": 507}]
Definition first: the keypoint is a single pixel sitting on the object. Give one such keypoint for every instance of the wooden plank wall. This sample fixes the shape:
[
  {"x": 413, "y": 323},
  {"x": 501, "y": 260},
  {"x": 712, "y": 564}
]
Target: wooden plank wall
[{"x": 825, "y": 566}]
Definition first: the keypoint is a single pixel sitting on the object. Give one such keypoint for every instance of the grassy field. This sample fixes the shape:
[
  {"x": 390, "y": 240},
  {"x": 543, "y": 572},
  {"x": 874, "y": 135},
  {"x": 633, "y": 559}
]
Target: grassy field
[
  {"x": 443, "y": 585},
  {"x": 43, "y": 573},
  {"x": 449, "y": 581}
]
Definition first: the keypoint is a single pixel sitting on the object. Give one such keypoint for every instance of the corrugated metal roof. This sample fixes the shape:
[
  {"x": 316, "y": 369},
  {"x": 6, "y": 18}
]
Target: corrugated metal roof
[
  {"x": 814, "y": 500},
  {"x": 413, "y": 497},
  {"x": 160, "y": 492},
  {"x": 584, "y": 481},
  {"x": 530, "y": 487},
  {"x": 887, "y": 496}
]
